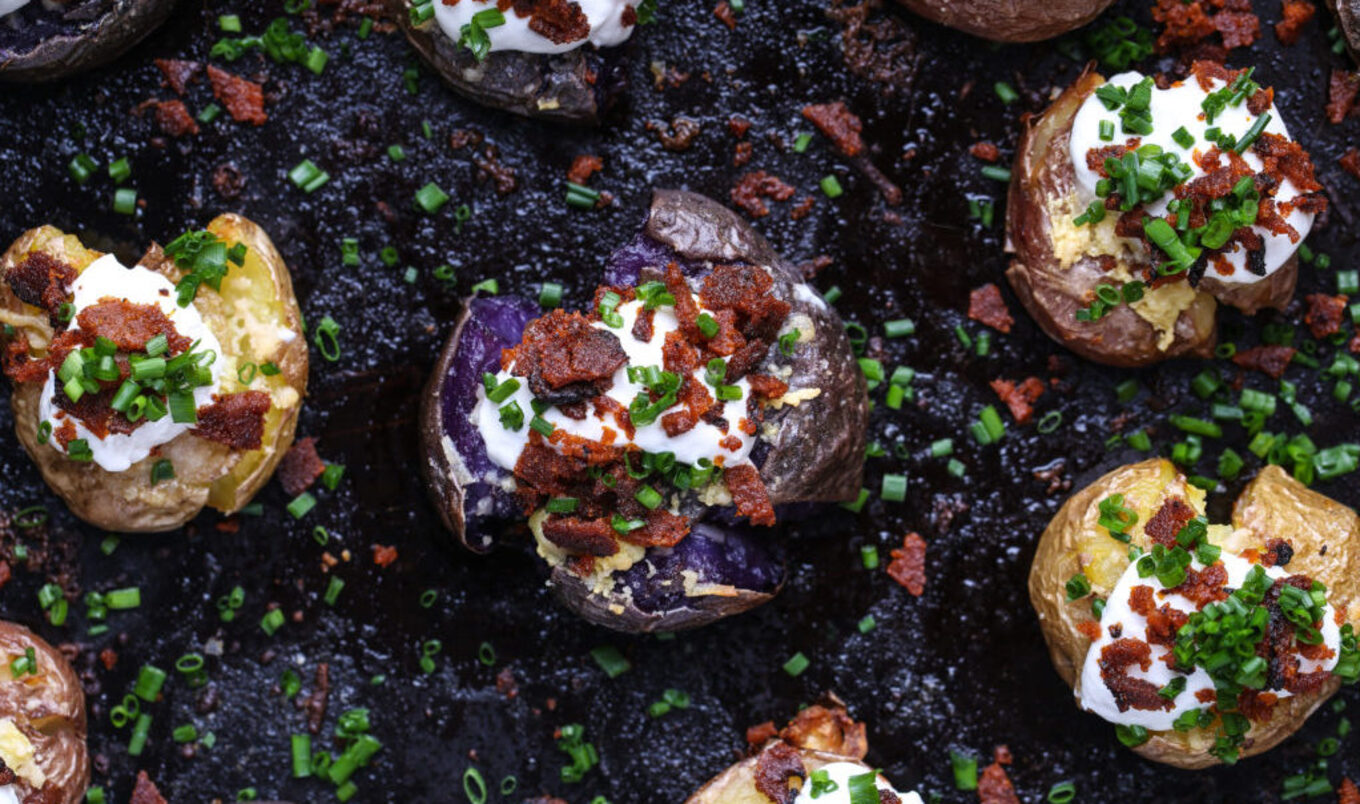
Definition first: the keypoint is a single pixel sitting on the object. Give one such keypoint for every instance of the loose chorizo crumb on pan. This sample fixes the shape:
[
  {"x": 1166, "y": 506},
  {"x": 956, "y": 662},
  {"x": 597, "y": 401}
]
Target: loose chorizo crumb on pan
[
  {"x": 301, "y": 467},
  {"x": 908, "y": 565},
  {"x": 145, "y": 792},
  {"x": 986, "y": 306}
]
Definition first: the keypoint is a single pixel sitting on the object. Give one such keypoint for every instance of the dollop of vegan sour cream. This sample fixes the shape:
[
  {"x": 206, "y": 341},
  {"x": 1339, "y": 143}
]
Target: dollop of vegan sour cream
[
  {"x": 106, "y": 278},
  {"x": 831, "y": 785},
  {"x": 610, "y": 23},
  {"x": 1180, "y": 126},
  {"x": 9, "y": 7},
  {"x": 1120, "y": 621},
  {"x": 8, "y": 794},
  {"x": 703, "y": 442}
]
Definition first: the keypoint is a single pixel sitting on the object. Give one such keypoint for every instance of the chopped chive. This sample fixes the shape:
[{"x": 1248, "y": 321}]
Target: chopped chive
[{"x": 796, "y": 664}]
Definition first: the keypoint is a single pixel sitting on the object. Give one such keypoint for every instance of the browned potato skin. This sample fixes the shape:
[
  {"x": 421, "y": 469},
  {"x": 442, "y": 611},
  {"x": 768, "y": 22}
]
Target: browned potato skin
[
  {"x": 99, "y": 42},
  {"x": 1010, "y": 20},
  {"x": 1051, "y": 293},
  {"x": 1274, "y": 505},
  {"x": 558, "y": 87},
  {"x": 1348, "y": 15},
  {"x": 823, "y": 733},
  {"x": 1274, "y": 292},
  {"x": 126, "y": 501},
  {"x": 49, "y": 709}
]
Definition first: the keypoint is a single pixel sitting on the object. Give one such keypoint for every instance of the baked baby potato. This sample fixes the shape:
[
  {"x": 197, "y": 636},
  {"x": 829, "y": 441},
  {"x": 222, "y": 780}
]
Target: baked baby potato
[
  {"x": 41, "y": 41},
  {"x": 1134, "y": 520},
  {"x": 137, "y": 424},
  {"x": 538, "y": 65},
  {"x": 708, "y": 384},
  {"x": 821, "y": 749},
  {"x": 1010, "y": 20},
  {"x": 1124, "y": 244},
  {"x": 43, "y": 758}
]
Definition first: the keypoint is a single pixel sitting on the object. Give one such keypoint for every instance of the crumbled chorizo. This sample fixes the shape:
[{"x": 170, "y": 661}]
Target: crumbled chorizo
[
  {"x": 130, "y": 325},
  {"x": 985, "y": 151},
  {"x": 300, "y": 467},
  {"x": 1203, "y": 587},
  {"x": 752, "y": 188},
  {"x": 594, "y": 537},
  {"x": 994, "y": 786},
  {"x": 776, "y": 769},
  {"x": 178, "y": 73},
  {"x": 1019, "y": 398},
  {"x": 384, "y": 554},
  {"x": 986, "y": 306},
  {"x": 173, "y": 117},
  {"x": 908, "y": 565},
  {"x": 1129, "y": 692},
  {"x": 565, "y": 359},
  {"x": 663, "y": 529},
  {"x": 1350, "y": 161},
  {"x": 676, "y": 136},
  {"x": 560, "y": 21},
  {"x": 1168, "y": 521},
  {"x": 1342, "y": 90},
  {"x": 723, "y": 11},
  {"x": 1269, "y": 359},
  {"x": 1347, "y": 793},
  {"x": 145, "y": 791},
  {"x": 236, "y": 420},
  {"x": 243, "y": 99},
  {"x": 1296, "y": 14},
  {"x": 749, "y": 494},
  {"x": 583, "y": 167},
  {"x": 1325, "y": 314},
  {"x": 839, "y": 124},
  {"x": 41, "y": 280}
]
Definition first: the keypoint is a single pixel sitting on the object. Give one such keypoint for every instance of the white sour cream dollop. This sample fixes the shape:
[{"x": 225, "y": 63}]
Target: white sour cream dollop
[
  {"x": 9, "y": 7},
  {"x": 8, "y": 794},
  {"x": 1096, "y": 697},
  {"x": 1172, "y": 108},
  {"x": 840, "y": 773},
  {"x": 107, "y": 278},
  {"x": 504, "y": 446},
  {"x": 606, "y": 18}
]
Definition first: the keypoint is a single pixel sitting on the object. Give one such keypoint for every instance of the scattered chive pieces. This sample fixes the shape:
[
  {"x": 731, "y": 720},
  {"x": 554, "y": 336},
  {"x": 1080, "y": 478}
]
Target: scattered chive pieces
[
  {"x": 796, "y": 664},
  {"x": 610, "y": 660},
  {"x": 272, "y": 621},
  {"x": 301, "y": 505},
  {"x": 867, "y": 623}
]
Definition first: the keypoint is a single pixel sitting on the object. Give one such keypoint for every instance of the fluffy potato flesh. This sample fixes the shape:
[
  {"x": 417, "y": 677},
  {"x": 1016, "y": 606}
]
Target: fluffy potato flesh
[
  {"x": 256, "y": 319},
  {"x": 1325, "y": 536},
  {"x": 42, "y": 721}
]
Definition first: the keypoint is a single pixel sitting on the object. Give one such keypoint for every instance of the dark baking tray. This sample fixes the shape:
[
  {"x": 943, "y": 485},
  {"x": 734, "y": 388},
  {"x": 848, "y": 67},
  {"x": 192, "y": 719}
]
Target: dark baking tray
[{"x": 962, "y": 667}]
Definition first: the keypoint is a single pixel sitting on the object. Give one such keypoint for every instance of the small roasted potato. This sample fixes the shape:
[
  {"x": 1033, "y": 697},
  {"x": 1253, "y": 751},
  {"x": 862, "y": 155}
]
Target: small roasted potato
[
  {"x": 255, "y": 320},
  {"x": 821, "y": 739},
  {"x": 577, "y": 86},
  {"x": 808, "y": 449},
  {"x": 42, "y": 721},
  {"x": 1010, "y": 20},
  {"x": 1276, "y": 522},
  {"x": 1052, "y": 287},
  {"x": 46, "y": 42}
]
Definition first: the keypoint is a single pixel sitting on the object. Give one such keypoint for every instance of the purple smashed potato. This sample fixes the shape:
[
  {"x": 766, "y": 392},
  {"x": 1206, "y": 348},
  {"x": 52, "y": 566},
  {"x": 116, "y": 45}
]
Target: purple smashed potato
[{"x": 723, "y": 566}]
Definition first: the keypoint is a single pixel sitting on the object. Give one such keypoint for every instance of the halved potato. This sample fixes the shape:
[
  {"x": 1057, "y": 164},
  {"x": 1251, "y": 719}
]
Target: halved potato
[
  {"x": 1053, "y": 275},
  {"x": 1324, "y": 534},
  {"x": 1010, "y": 20},
  {"x": 256, "y": 319},
  {"x": 48, "y": 42},
  {"x": 42, "y": 720},
  {"x": 1348, "y": 16}
]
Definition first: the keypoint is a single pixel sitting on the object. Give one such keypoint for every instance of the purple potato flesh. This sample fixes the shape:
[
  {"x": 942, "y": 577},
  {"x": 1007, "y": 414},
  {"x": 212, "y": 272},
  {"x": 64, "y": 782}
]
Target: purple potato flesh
[{"x": 722, "y": 567}]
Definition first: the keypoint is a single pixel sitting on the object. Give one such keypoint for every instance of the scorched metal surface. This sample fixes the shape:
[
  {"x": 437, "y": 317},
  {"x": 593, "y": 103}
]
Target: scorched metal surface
[{"x": 961, "y": 668}]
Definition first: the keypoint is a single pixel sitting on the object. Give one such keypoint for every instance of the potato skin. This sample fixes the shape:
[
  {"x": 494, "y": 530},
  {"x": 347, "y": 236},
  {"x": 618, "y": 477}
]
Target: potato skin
[
  {"x": 97, "y": 42},
  {"x": 568, "y": 87},
  {"x": 206, "y": 473},
  {"x": 1273, "y": 505},
  {"x": 1010, "y": 20},
  {"x": 1051, "y": 293},
  {"x": 1348, "y": 15},
  {"x": 54, "y": 699}
]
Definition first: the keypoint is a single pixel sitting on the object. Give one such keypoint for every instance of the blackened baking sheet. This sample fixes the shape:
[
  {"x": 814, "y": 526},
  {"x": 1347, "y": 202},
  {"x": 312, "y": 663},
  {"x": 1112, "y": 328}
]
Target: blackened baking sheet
[{"x": 961, "y": 668}]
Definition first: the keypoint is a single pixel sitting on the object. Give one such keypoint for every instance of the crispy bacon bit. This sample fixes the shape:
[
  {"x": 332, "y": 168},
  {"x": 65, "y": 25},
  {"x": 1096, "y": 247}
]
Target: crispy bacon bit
[
  {"x": 1325, "y": 314},
  {"x": 174, "y": 119},
  {"x": 749, "y": 494},
  {"x": 777, "y": 767},
  {"x": 300, "y": 467},
  {"x": 986, "y": 306},
  {"x": 1168, "y": 521},
  {"x": 565, "y": 359},
  {"x": 676, "y": 136},
  {"x": 908, "y": 565},
  {"x": 244, "y": 99},
  {"x": 236, "y": 420},
  {"x": 1206, "y": 586},
  {"x": 384, "y": 555},
  {"x": 985, "y": 151},
  {"x": 1342, "y": 91},
  {"x": 594, "y": 537},
  {"x": 178, "y": 73},
  {"x": 1296, "y": 13},
  {"x": 145, "y": 792},
  {"x": 583, "y": 167},
  {"x": 40, "y": 280},
  {"x": 761, "y": 733},
  {"x": 130, "y": 325},
  {"x": 1347, "y": 793},
  {"x": 753, "y": 187},
  {"x": 723, "y": 11},
  {"x": 839, "y": 124},
  {"x": 1271, "y": 360},
  {"x": 994, "y": 786},
  {"x": 1129, "y": 692},
  {"x": 1019, "y": 398}
]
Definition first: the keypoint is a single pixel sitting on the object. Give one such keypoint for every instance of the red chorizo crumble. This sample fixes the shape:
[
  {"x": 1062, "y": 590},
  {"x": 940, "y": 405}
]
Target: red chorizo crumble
[
  {"x": 677, "y": 135},
  {"x": 1020, "y": 398},
  {"x": 1168, "y": 521},
  {"x": 583, "y": 167},
  {"x": 41, "y": 280},
  {"x": 565, "y": 359},
  {"x": 994, "y": 786},
  {"x": 1189, "y": 24},
  {"x": 839, "y": 124},
  {"x": 1296, "y": 14},
  {"x": 753, "y": 187},
  {"x": 244, "y": 100},
  {"x": 1203, "y": 587},
  {"x": 908, "y": 565},
  {"x": 777, "y": 768},
  {"x": 300, "y": 467},
  {"x": 985, "y": 305},
  {"x": 178, "y": 73},
  {"x": 1325, "y": 314},
  {"x": 384, "y": 555},
  {"x": 1350, "y": 161},
  {"x": 985, "y": 151},
  {"x": 749, "y": 494},
  {"x": 236, "y": 420},
  {"x": 1342, "y": 90},
  {"x": 1269, "y": 359},
  {"x": 723, "y": 11},
  {"x": 173, "y": 117},
  {"x": 1347, "y": 793},
  {"x": 145, "y": 792},
  {"x": 1129, "y": 692}
]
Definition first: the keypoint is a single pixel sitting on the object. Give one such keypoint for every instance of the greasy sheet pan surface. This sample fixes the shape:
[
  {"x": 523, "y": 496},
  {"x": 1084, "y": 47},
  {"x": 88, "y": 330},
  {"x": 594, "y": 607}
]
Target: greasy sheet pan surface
[{"x": 961, "y": 668}]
